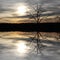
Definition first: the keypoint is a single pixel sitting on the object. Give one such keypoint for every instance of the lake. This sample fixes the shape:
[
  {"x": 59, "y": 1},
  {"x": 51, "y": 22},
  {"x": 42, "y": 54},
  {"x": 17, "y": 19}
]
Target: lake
[{"x": 23, "y": 46}]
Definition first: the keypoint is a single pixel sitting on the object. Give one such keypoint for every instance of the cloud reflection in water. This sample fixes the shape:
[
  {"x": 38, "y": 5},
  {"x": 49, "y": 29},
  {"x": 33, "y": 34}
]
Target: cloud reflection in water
[{"x": 21, "y": 51}]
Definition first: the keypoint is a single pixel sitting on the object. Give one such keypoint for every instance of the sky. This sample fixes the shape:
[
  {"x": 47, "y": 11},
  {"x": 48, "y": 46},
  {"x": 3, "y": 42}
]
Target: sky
[{"x": 11, "y": 8}]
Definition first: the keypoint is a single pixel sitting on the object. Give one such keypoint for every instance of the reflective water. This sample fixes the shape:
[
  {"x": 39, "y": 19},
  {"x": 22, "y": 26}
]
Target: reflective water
[{"x": 17, "y": 46}]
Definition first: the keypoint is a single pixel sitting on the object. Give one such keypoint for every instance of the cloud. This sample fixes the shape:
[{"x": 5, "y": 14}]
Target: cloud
[
  {"x": 48, "y": 5},
  {"x": 2, "y": 10}
]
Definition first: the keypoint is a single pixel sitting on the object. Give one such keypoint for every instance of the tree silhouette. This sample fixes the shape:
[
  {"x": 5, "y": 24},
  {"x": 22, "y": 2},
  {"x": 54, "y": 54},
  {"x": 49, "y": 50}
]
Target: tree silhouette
[
  {"x": 36, "y": 14},
  {"x": 58, "y": 19}
]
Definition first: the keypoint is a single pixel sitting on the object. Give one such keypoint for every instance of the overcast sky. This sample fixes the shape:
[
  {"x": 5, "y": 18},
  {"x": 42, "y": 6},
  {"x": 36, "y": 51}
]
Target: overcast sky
[{"x": 7, "y": 7}]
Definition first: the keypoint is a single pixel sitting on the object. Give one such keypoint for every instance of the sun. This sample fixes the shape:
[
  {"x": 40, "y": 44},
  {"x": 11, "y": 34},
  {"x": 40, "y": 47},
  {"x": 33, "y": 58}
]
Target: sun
[{"x": 21, "y": 10}]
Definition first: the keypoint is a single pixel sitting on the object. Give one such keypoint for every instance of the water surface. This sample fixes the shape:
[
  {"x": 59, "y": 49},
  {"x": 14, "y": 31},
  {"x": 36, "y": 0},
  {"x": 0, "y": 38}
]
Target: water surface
[{"x": 17, "y": 46}]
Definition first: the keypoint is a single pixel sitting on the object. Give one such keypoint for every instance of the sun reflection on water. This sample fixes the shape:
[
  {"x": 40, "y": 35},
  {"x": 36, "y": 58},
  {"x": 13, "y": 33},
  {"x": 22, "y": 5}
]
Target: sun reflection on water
[{"x": 21, "y": 48}]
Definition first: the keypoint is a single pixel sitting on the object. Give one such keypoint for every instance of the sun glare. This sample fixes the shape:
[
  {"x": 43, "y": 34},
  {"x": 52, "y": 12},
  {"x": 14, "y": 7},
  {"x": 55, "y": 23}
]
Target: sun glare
[
  {"x": 21, "y": 47},
  {"x": 21, "y": 10}
]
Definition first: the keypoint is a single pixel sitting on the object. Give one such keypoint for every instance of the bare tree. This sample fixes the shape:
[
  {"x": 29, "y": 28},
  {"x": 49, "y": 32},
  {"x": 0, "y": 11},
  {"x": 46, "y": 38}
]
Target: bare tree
[
  {"x": 35, "y": 13},
  {"x": 57, "y": 19}
]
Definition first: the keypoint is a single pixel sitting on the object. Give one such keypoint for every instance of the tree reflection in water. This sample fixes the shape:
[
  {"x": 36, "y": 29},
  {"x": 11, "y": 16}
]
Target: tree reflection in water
[
  {"x": 42, "y": 42},
  {"x": 38, "y": 43}
]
